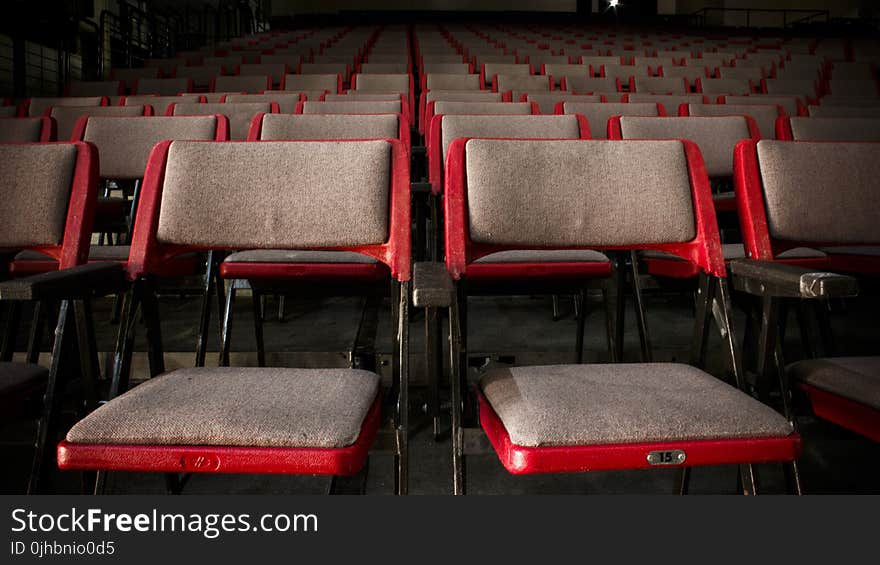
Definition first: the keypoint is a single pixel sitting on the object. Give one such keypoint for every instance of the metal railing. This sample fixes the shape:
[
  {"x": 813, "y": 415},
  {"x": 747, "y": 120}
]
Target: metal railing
[{"x": 789, "y": 17}]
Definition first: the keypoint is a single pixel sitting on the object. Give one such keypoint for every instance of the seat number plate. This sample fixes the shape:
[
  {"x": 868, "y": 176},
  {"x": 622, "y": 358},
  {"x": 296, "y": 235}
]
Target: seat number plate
[{"x": 671, "y": 457}]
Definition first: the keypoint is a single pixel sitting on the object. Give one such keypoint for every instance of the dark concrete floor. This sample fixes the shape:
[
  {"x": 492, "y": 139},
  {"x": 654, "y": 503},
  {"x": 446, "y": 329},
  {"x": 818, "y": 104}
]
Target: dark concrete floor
[{"x": 514, "y": 329}]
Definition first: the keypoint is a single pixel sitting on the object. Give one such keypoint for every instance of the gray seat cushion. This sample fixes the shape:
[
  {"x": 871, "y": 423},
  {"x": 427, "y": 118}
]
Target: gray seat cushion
[
  {"x": 285, "y": 256},
  {"x": 737, "y": 251},
  {"x": 559, "y": 405},
  {"x": 236, "y": 406},
  {"x": 855, "y": 378},
  {"x": 15, "y": 377},
  {"x": 544, "y": 256}
]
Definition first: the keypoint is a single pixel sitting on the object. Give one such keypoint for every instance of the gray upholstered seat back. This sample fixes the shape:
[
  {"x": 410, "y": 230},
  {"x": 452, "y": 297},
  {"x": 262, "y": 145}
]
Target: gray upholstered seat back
[
  {"x": 325, "y": 69},
  {"x": 547, "y": 101},
  {"x": 35, "y": 192},
  {"x": 446, "y": 68},
  {"x": 835, "y": 111},
  {"x": 525, "y": 127},
  {"x": 383, "y": 83},
  {"x": 624, "y": 72},
  {"x": 764, "y": 114},
  {"x": 229, "y": 63},
  {"x": 855, "y": 88},
  {"x": 559, "y": 70},
  {"x": 463, "y": 96},
  {"x": 508, "y": 108},
  {"x": 530, "y": 83},
  {"x": 276, "y": 195},
  {"x": 670, "y": 102},
  {"x": 353, "y": 96},
  {"x": 201, "y": 75},
  {"x": 160, "y": 103},
  {"x": 789, "y": 103},
  {"x": 820, "y": 191},
  {"x": 311, "y": 82},
  {"x": 578, "y": 83},
  {"x": 20, "y": 130},
  {"x": 733, "y": 86},
  {"x": 93, "y": 88},
  {"x": 660, "y": 85},
  {"x": 124, "y": 145},
  {"x": 249, "y": 84},
  {"x": 835, "y": 129},
  {"x": 286, "y": 101},
  {"x": 690, "y": 73},
  {"x": 437, "y": 81},
  {"x": 597, "y": 113},
  {"x": 742, "y": 73},
  {"x": 597, "y": 61},
  {"x": 38, "y": 106},
  {"x": 493, "y": 69},
  {"x": 329, "y": 126},
  {"x": 798, "y": 87},
  {"x": 578, "y": 193},
  {"x": 240, "y": 115},
  {"x": 384, "y": 68},
  {"x": 162, "y": 86},
  {"x": 357, "y": 107},
  {"x": 274, "y": 70},
  {"x": 67, "y": 116},
  {"x": 716, "y": 136}
]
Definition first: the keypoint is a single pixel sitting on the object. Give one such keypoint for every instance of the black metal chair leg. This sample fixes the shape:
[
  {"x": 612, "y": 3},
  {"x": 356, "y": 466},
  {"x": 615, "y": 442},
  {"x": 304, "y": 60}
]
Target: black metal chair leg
[
  {"x": 226, "y": 328},
  {"x": 555, "y": 308},
  {"x": 683, "y": 480},
  {"x": 258, "y": 328},
  {"x": 641, "y": 317},
  {"x": 620, "y": 315},
  {"x": 205, "y": 318},
  {"x": 36, "y": 335},
  {"x": 432, "y": 369},
  {"x": 581, "y": 299},
  {"x": 459, "y": 485}
]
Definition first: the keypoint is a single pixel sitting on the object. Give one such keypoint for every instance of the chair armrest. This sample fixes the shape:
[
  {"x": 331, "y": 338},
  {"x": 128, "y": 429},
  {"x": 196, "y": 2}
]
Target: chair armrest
[
  {"x": 432, "y": 286},
  {"x": 790, "y": 281},
  {"x": 82, "y": 281}
]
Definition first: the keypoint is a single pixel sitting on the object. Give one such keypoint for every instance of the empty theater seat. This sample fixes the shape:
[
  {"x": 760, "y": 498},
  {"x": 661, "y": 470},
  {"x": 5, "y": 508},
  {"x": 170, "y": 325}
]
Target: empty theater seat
[
  {"x": 38, "y": 106},
  {"x": 828, "y": 129},
  {"x": 598, "y": 114},
  {"x": 248, "y": 84},
  {"x": 66, "y": 116},
  {"x": 239, "y": 115},
  {"x": 765, "y": 115},
  {"x": 160, "y": 104},
  {"x": 313, "y": 82},
  {"x": 162, "y": 86},
  {"x": 27, "y": 130}
]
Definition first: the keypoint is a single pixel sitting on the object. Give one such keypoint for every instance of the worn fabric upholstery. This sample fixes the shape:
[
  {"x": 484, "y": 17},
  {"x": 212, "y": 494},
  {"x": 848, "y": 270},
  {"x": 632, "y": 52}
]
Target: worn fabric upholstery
[
  {"x": 383, "y": 83},
  {"x": 492, "y": 69},
  {"x": 236, "y": 406},
  {"x": 125, "y": 145},
  {"x": 577, "y": 83},
  {"x": 276, "y": 195},
  {"x": 578, "y": 193},
  {"x": 816, "y": 191},
  {"x": 93, "y": 88},
  {"x": 855, "y": 378},
  {"x": 353, "y": 96},
  {"x": 834, "y": 111},
  {"x": 835, "y": 129},
  {"x": 286, "y": 256},
  {"x": 249, "y": 84},
  {"x": 670, "y": 101},
  {"x": 547, "y": 101},
  {"x": 446, "y": 68},
  {"x": 496, "y": 108},
  {"x": 733, "y": 86},
  {"x": 558, "y": 405},
  {"x": 521, "y": 83},
  {"x": 437, "y": 81},
  {"x": 789, "y": 103},
  {"x": 240, "y": 115},
  {"x": 597, "y": 114},
  {"x": 35, "y": 192},
  {"x": 162, "y": 86},
  {"x": 67, "y": 116},
  {"x": 660, "y": 85},
  {"x": 384, "y": 68},
  {"x": 463, "y": 96},
  {"x": 528, "y": 127},
  {"x": 20, "y": 130},
  {"x": 624, "y": 72},
  {"x": 324, "y": 69},
  {"x": 329, "y": 126},
  {"x": 160, "y": 103},
  {"x": 716, "y": 136},
  {"x": 544, "y": 256},
  {"x": 356, "y": 107},
  {"x": 286, "y": 102},
  {"x": 764, "y": 114},
  {"x": 298, "y": 83},
  {"x": 15, "y": 377},
  {"x": 38, "y": 106}
]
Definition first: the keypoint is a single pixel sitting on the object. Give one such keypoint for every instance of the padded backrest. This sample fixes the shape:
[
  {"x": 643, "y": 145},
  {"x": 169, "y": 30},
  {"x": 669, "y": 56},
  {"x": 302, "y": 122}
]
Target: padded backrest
[
  {"x": 21, "y": 130},
  {"x": 325, "y": 69},
  {"x": 821, "y": 192},
  {"x": 492, "y": 69},
  {"x": 240, "y": 115},
  {"x": 274, "y": 70},
  {"x": 357, "y": 107},
  {"x": 38, "y": 106},
  {"x": 94, "y": 88},
  {"x": 764, "y": 114},
  {"x": 384, "y": 68},
  {"x": 590, "y": 84},
  {"x": 382, "y": 82},
  {"x": 249, "y": 84},
  {"x": 732, "y": 86},
  {"x": 276, "y": 195},
  {"x": 597, "y": 114},
  {"x": 326, "y": 82},
  {"x": 654, "y": 62},
  {"x": 329, "y": 126},
  {"x": 789, "y": 103},
  {"x": 742, "y": 73},
  {"x": 161, "y": 86},
  {"x": 853, "y": 71},
  {"x": 856, "y": 88},
  {"x": 291, "y": 60},
  {"x": 35, "y": 192},
  {"x": 525, "y": 127},
  {"x": 669, "y": 101},
  {"x": 286, "y": 101},
  {"x": 577, "y": 193},
  {"x": 623, "y": 72},
  {"x": 160, "y": 103},
  {"x": 835, "y": 129},
  {"x": 547, "y": 102},
  {"x": 229, "y": 63},
  {"x": 802, "y": 87},
  {"x": 716, "y": 136},
  {"x": 510, "y": 108},
  {"x": 559, "y": 70},
  {"x": 835, "y": 111},
  {"x": 67, "y": 116},
  {"x": 522, "y": 83},
  {"x": 446, "y": 68},
  {"x": 354, "y": 96},
  {"x": 452, "y": 82},
  {"x": 124, "y": 144},
  {"x": 201, "y": 76},
  {"x": 597, "y": 61},
  {"x": 660, "y": 85},
  {"x": 690, "y": 73}
]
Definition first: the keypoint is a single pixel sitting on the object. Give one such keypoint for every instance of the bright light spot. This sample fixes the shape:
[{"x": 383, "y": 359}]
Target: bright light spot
[{"x": 613, "y": 3}]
